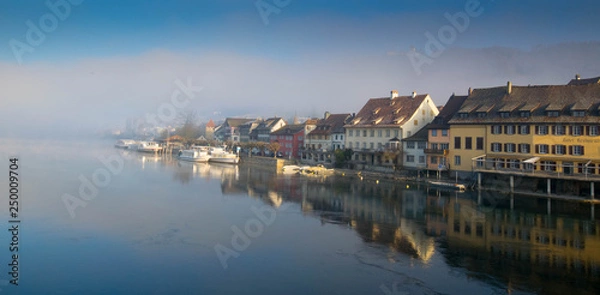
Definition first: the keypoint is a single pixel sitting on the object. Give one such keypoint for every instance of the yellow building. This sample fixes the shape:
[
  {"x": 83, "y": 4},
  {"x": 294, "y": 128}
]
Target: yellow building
[{"x": 549, "y": 131}]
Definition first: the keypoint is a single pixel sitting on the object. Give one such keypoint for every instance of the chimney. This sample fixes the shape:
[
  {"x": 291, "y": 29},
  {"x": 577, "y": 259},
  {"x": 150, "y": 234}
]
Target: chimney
[
  {"x": 393, "y": 94},
  {"x": 327, "y": 114},
  {"x": 470, "y": 90},
  {"x": 414, "y": 94},
  {"x": 508, "y": 87},
  {"x": 577, "y": 77}
]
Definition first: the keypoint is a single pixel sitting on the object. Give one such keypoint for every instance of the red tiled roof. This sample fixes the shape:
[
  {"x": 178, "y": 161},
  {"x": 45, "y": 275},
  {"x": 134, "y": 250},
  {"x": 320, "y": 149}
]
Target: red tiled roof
[
  {"x": 210, "y": 124},
  {"x": 381, "y": 112}
]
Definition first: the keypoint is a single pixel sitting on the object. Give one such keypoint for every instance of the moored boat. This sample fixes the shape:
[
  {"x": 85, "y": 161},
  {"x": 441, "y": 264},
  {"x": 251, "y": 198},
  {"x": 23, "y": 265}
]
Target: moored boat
[
  {"x": 125, "y": 143},
  {"x": 219, "y": 155},
  {"x": 448, "y": 185},
  {"x": 194, "y": 155},
  {"x": 148, "y": 147}
]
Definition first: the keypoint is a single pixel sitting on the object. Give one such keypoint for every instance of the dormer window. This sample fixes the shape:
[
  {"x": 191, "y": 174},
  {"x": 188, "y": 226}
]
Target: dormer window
[
  {"x": 552, "y": 113},
  {"x": 578, "y": 113},
  {"x": 375, "y": 111},
  {"x": 504, "y": 114},
  {"x": 463, "y": 115},
  {"x": 525, "y": 114},
  {"x": 481, "y": 115}
]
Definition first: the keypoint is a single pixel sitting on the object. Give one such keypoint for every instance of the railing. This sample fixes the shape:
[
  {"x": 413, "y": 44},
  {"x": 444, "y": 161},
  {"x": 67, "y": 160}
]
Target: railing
[{"x": 434, "y": 151}]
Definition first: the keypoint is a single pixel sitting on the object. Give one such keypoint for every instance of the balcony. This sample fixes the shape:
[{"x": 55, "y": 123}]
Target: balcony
[{"x": 434, "y": 151}]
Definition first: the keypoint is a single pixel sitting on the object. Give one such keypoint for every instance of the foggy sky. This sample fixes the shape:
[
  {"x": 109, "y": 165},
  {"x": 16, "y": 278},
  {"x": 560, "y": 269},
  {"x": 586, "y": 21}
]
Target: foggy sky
[{"x": 102, "y": 66}]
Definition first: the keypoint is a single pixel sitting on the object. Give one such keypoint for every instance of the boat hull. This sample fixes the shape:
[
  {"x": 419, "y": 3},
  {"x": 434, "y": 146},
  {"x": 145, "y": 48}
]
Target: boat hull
[{"x": 225, "y": 160}]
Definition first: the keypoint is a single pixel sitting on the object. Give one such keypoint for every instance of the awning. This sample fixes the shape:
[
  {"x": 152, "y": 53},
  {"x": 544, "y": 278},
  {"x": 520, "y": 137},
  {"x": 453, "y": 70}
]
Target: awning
[
  {"x": 532, "y": 160},
  {"x": 478, "y": 157}
]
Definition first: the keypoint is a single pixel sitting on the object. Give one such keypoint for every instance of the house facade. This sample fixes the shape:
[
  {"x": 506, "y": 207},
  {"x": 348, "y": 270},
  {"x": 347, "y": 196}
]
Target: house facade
[
  {"x": 413, "y": 149},
  {"x": 438, "y": 135},
  {"x": 264, "y": 129},
  {"x": 328, "y": 135},
  {"x": 549, "y": 132},
  {"x": 291, "y": 138},
  {"x": 383, "y": 122},
  {"x": 229, "y": 130}
]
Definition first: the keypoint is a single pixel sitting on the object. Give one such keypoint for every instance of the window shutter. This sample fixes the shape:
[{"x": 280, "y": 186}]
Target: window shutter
[
  {"x": 506, "y": 147},
  {"x": 571, "y": 130},
  {"x": 582, "y": 150},
  {"x": 554, "y": 150},
  {"x": 518, "y": 129},
  {"x": 587, "y": 130},
  {"x": 537, "y": 129},
  {"x": 570, "y": 150},
  {"x": 505, "y": 129},
  {"x": 519, "y": 148},
  {"x": 553, "y": 129},
  {"x": 537, "y": 148}
]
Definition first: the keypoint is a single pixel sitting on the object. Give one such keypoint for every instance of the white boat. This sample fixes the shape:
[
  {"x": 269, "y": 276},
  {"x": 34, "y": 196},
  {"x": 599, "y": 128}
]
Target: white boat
[
  {"x": 319, "y": 170},
  {"x": 455, "y": 186},
  {"x": 219, "y": 155},
  {"x": 194, "y": 155},
  {"x": 290, "y": 169},
  {"x": 148, "y": 147},
  {"x": 125, "y": 143}
]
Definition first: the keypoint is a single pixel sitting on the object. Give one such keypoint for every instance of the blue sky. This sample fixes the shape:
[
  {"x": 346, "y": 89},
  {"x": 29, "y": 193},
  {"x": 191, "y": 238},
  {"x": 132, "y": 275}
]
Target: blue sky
[{"x": 310, "y": 56}]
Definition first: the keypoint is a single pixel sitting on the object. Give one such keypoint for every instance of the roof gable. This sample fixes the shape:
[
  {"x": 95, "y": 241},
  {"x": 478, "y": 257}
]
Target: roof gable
[{"x": 387, "y": 111}]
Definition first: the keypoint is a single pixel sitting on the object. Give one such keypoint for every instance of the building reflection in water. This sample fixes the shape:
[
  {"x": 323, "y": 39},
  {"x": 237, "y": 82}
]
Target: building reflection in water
[{"x": 512, "y": 248}]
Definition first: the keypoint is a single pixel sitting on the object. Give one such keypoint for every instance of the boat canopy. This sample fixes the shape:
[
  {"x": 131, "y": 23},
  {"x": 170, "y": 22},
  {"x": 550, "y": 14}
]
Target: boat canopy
[{"x": 532, "y": 160}]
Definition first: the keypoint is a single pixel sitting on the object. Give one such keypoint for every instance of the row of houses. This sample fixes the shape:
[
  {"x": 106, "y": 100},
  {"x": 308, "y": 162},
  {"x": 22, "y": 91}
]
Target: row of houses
[{"x": 551, "y": 128}]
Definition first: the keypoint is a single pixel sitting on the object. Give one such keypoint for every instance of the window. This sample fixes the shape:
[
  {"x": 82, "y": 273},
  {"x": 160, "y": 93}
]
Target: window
[
  {"x": 577, "y": 150},
  {"x": 350, "y": 145},
  {"x": 541, "y": 130},
  {"x": 380, "y": 146},
  {"x": 463, "y": 115},
  {"x": 481, "y": 115},
  {"x": 387, "y": 133},
  {"x": 457, "y": 160},
  {"x": 496, "y": 129},
  {"x": 468, "y": 143},
  {"x": 410, "y": 158},
  {"x": 434, "y": 146},
  {"x": 371, "y": 145},
  {"x": 364, "y": 145},
  {"x": 372, "y": 133},
  {"x": 524, "y": 129},
  {"x": 496, "y": 147},
  {"x": 421, "y": 145},
  {"x": 350, "y": 133},
  {"x": 444, "y": 132},
  {"x": 559, "y": 130},
  {"x": 434, "y": 160},
  {"x": 445, "y": 146},
  {"x": 504, "y": 114},
  {"x": 577, "y": 130},
  {"x": 525, "y": 114},
  {"x": 457, "y": 142},
  {"x": 509, "y": 147},
  {"x": 509, "y": 129},
  {"x": 541, "y": 148},
  {"x": 421, "y": 159},
  {"x": 578, "y": 113},
  {"x": 479, "y": 143},
  {"x": 379, "y": 133},
  {"x": 559, "y": 149},
  {"x": 416, "y": 122},
  {"x": 434, "y": 132},
  {"x": 365, "y": 133},
  {"x": 524, "y": 148},
  {"x": 552, "y": 113},
  {"x": 396, "y": 133},
  {"x": 593, "y": 131},
  {"x": 410, "y": 144},
  {"x": 357, "y": 145}
]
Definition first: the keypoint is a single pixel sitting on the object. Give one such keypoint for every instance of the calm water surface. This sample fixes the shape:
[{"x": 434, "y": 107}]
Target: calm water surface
[{"x": 160, "y": 226}]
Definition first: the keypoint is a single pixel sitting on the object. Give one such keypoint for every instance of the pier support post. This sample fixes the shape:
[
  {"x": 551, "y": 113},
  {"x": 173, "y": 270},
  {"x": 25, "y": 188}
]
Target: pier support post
[
  {"x": 479, "y": 197},
  {"x": 479, "y": 180},
  {"x": 549, "y": 186},
  {"x": 592, "y": 190},
  {"x": 512, "y": 183},
  {"x": 592, "y": 211},
  {"x": 549, "y": 206},
  {"x": 512, "y": 201}
]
